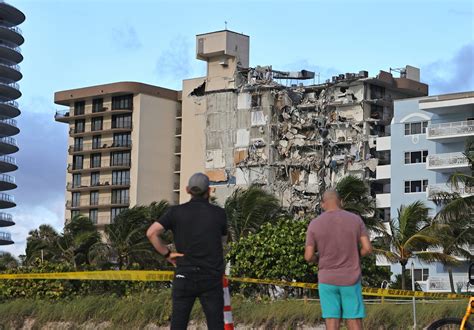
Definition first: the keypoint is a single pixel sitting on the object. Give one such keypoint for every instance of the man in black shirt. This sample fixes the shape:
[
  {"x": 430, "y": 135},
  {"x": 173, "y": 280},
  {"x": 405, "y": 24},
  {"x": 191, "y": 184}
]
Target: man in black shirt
[{"x": 198, "y": 229}]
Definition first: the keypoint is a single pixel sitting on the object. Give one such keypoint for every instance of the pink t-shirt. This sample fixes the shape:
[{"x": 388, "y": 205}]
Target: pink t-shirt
[{"x": 336, "y": 236}]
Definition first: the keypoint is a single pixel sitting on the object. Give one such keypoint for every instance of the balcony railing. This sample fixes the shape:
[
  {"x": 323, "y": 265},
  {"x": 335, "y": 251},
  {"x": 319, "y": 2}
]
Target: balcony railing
[
  {"x": 7, "y": 178},
  {"x": 11, "y": 103},
  {"x": 10, "y": 65},
  {"x": 450, "y": 129},
  {"x": 11, "y": 28},
  {"x": 6, "y": 217},
  {"x": 7, "y": 198},
  {"x": 96, "y": 146},
  {"x": 14, "y": 85},
  {"x": 10, "y": 45},
  {"x": 70, "y": 185},
  {"x": 447, "y": 160},
  {"x": 8, "y": 121},
  {"x": 8, "y": 140},
  {"x": 434, "y": 189},
  {"x": 5, "y": 236},
  {"x": 99, "y": 202},
  {"x": 8, "y": 159}
]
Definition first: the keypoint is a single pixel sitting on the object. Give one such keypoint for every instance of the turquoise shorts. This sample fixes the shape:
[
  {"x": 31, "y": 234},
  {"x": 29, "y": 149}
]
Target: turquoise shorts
[{"x": 342, "y": 301}]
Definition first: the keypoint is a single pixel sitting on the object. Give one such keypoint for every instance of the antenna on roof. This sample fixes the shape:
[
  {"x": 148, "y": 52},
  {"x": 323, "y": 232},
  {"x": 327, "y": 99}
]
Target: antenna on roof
[{"x": 225, "y": 22}]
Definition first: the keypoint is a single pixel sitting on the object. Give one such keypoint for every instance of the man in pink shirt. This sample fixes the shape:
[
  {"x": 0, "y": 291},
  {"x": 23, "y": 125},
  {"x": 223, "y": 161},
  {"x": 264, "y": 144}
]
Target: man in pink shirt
[{"x": 332, "y": 240}]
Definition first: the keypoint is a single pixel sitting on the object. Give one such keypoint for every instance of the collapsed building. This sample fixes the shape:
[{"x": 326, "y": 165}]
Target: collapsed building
[{"x": 269, "y": 127}]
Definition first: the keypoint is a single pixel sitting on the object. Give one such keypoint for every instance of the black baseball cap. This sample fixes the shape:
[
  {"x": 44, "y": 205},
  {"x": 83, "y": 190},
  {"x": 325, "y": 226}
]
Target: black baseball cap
[{"x": 198, "y": 183}]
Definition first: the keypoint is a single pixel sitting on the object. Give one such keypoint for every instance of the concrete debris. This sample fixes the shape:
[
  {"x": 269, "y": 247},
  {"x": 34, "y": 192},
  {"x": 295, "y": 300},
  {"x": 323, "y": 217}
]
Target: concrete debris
[{"x": 295, "y": 141}]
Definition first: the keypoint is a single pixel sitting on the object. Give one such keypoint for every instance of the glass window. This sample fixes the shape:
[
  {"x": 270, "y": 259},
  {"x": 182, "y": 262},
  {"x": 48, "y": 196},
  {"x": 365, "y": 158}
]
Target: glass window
[
  {"x": 425, "y": 126},
  {"x": 120, "y": 158},
  {"x": 98, "y": 105},
  {"x": 416, "y": 128},
  {"x": 122, "y": 121},
  {"x": 416, "y": 186},
  {"x": 79, "y": 126},
  {"x": 76, "y": 180},
  {"x": 96, "y": 124},
  {"x": 425, "y": 154},
  {"x": 116, "y": 211},
  {"x": 77, "y": 162},
  {"x": 95, "y": 178},
  {"x": 122, "y": 140},
  {"x": 76, "y": 199},
  {"x": 407, "y": 129},
  {"x": 75, "y": 213},
  {"x": 120, "y": 196},
  {"x": 414, "y": 157},
  {"x": 94, "y": 198},
  {"x": 407, "y": 186},
  {"x": 121, "y": 177},
  {"x": 425, "y": 185},
  {"x": 93, "y": 214},
  {"x": 96, "y": 141},
  {"x": 407, "y": 158},
  {"x": 95, "y": 160},
  {"x": 122, "y": 102},
  {"x": 78, "y": 143},
  {"x": 79, "y": 107}
]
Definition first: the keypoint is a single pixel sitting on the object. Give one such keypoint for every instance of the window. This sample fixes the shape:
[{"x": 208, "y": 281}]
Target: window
[
  {"x": 122, "y": 140},
  {"x": 76, "y": 180},
  {"x": 376, "y": 112},
  {"x": 413, "y": 157},
  {"x": 120, "y": 196},
  {"x": 94, "y": 198},
  {"x": 77, "y": 162},
  {"x": 93, "y": 214},
  {"x": 96, "y": 124},
  {"x": 420, "y": 274},
  {"x": 78, "y": 144},
  {"x": 416, "y": 128},
  {"x": 79, "y": 108},
  {"x": 79, "y": 126},
  {"x": 98, "y": 105},
  {"x": 120, "y": 158},
  {"x": 121, "y": 177},
  {"x": 416, "y": 186},
  {"x": 116, "y": 211},
  {"x": 76, "y": 199},
  {"x": 95, "y": 160},
  {"x": 122, "y": 121},
  {"x": 95, "y": 178},
  {"x": 377, "y": 92},
  {"x": 75, "y": 213},
  {"x": 96, "y": 141},
  {"x": 122, "y": 102},
  {"x": 256, "y": 100}
]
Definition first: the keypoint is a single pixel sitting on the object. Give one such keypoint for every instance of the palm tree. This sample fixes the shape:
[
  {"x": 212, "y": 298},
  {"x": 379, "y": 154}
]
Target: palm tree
[
  {"x": 247, "y": 209},
  {"x": 80, "y": 234},
  {"x": 356, "y": 198},
  {"x": 42, "y": 243},
  {"x": 126, "y": 242},
  {"x": 409, "y": 236}
]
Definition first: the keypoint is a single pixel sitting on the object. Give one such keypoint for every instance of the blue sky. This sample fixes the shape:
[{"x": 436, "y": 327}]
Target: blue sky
[{"x": 72, "y": 44}]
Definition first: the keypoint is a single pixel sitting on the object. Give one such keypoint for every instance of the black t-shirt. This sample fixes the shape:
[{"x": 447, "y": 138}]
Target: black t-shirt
[{"x": 198, "y": 227}]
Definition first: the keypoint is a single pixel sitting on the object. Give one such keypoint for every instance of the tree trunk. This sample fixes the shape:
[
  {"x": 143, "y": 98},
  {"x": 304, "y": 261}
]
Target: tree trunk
[
  {"x": 451, "y": 280},
  {"x": 403, "y": 276}
]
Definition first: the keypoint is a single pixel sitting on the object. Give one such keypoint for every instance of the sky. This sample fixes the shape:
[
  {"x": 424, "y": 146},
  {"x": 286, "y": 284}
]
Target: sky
[{"x": 71, "y": 44}]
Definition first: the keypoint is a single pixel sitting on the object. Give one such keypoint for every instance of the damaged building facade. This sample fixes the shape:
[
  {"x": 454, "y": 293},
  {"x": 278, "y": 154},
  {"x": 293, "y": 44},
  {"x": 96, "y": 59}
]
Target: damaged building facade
[{"x": 271, "y": 128}]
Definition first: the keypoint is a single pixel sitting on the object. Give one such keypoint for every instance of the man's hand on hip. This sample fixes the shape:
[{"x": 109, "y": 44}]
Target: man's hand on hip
[{"x": 173, "y": 256}]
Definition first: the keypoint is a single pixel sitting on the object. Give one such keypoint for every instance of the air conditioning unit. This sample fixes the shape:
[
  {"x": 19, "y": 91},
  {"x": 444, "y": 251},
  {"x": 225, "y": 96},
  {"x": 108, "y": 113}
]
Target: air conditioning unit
[{"x": 224, "y": 61}]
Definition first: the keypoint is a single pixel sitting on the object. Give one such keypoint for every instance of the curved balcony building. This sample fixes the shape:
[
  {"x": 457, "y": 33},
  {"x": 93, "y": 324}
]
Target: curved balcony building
[{"x": 11, "y": 39}]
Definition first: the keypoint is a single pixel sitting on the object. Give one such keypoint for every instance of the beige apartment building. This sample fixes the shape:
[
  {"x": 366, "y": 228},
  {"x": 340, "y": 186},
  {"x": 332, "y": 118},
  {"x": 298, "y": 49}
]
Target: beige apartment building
[{"x": 123, "y": 147}]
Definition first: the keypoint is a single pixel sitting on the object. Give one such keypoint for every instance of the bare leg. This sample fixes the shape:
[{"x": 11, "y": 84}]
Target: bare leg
[
  {"x": 354, "y": 324},
  {"x": 332, "y": 324}
]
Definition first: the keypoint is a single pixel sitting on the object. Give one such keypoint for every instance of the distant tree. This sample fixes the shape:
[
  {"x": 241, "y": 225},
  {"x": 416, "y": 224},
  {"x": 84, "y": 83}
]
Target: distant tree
[
  {"x": 8, "y": 261},
  {"x": 42, "y": 243}
]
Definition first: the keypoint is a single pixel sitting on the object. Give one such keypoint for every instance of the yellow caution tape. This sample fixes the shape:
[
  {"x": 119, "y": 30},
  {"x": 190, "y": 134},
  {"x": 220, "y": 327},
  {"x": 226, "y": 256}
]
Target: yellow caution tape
[{"x": 165, "y": 276}]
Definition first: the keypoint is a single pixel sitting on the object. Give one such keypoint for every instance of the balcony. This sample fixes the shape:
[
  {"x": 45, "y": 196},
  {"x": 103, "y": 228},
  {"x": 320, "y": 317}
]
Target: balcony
[
  {"x": 5, "y": 239},
  {"x": 10, "y": 51},
  {"x": 7, "y": 164},
  {"x": 65, "y": 116},
  {"x": 6, "y": 201},
  {"x": 115, "y": 166},
  {"x": 87, "y": 130},
  {"x": 8, "y": 126},
  {"x": 9, "y": 109},
  {"x": 382, "y": 200},
  {"x": 383, "y": 172},
  {"x": 447, "y": 162},
  {"x": 7, "y": 182},
  {"x": 8, "y": 145},
  {"x": 434, "y": 189},
  {"x": 9, "y": 89},
  {"x": 450, "y": 132},
  {"x": 86, "y": 148},
  {"x": 10, "y": 70},
  {"x": 101, "y": 202},
  {"x": 11, "y": 33},
  {"x": 105, "y": 185},
  {"x": 6, "y": 220}
]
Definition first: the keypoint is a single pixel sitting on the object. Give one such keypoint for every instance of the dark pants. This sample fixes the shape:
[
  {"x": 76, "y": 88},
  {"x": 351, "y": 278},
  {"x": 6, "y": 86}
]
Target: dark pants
[{"x": 190, "y": 283}]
